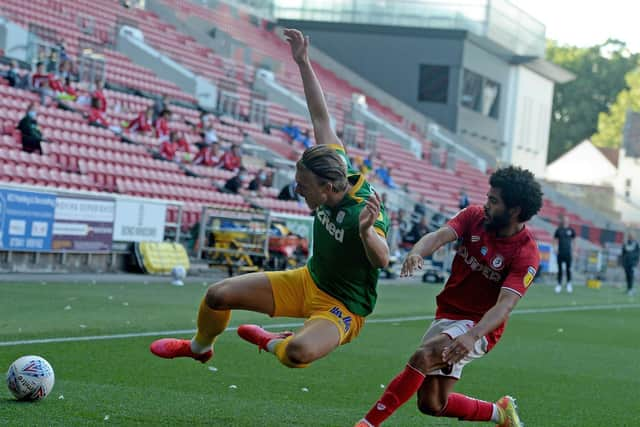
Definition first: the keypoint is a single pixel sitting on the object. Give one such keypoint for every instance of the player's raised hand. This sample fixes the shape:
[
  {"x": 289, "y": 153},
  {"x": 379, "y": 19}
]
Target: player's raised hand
[
  {"x": 370, "y": 213},
  {"x": 299, "y": 45},
  {"x": 411, "y": 263}
]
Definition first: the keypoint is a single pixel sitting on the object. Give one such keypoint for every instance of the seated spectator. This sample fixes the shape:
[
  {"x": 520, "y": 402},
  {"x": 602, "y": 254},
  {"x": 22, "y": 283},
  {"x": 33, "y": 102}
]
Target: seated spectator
[
  {"x": 13, "y": 75},
  {"x": 62, "y": 51},
  {"x": 159, "y": 106},
  {"x": 232, "y": 159},
  {"x": 418, "y": 230},
  {"x": 98, "y": 94},
  {"x": 143, "y": 123},
  {"x": 162, "y": 126},
  {"x": 208, "y": 155},
  {"x": 182, "y": 145},
  {"x": 65, "y": 70},
  {"x": 234, "y": 184},
  {"x": 438, "y": 219},
  {"x": 31, "y": 134},
  {"x": 367, "y": 164},
  {"x": 96, "y": 116},
  {"x": 259, "y": 181},
  {"x": 168, "y": 150},
  {"x": 304, "y": 139},
  {"x": 288, "y": 192},
  {"x": 68, "y": 92},
  {"x": 291, "y": 130},
  {"x": 419, "y": 210},
  {"x": 209, "y": 134},
  {"x": 41, "y": 83},
  {"x": 384, "y": 173}
]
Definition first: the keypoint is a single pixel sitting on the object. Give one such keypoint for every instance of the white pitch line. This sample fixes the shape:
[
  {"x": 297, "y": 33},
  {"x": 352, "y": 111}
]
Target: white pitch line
[{"x": 297, "y": 324}]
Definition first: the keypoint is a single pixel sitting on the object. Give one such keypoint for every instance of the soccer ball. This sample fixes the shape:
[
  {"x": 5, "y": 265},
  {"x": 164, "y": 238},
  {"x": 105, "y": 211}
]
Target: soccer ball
[
  {"x": 30, "y": 378},
  {"x": 177, "y": 274}
]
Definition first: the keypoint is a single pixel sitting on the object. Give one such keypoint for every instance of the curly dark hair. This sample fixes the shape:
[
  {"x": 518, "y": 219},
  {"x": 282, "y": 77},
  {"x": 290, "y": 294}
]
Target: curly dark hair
[{"x": 518, "y": 188}]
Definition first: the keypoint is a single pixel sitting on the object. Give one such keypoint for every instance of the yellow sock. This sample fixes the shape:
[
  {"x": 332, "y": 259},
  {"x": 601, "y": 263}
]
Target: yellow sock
[
  {"x": 211, "y": 323},
  {"x": 281, "y": 354}
]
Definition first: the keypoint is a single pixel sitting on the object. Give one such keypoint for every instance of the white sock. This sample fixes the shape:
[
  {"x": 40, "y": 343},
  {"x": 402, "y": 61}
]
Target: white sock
[
  {"x": 271, "y": 345},
  {"x": 199, "y": 348},
  {"x": 495, "y": 416}
]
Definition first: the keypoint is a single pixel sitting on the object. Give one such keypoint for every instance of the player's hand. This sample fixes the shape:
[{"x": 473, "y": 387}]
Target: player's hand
[
  {"x": 459, "y": 349},
  {"x": 299, "y": 45},
  {"x": 411, "y": 263},
  {"x": 370, "y": 213}
]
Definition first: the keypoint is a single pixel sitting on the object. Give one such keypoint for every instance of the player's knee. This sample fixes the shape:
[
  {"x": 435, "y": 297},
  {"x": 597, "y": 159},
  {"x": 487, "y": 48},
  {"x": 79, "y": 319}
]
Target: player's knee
[
  {"x": 299, "y": 353},
  {"x": 431, "y": 405},
  {"x": 423, "y": 359},
  {"x": 217, "y": 296}
]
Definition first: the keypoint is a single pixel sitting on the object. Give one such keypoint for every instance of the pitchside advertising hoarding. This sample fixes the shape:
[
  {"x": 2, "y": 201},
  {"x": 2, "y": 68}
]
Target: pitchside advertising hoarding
[
  {"x": 83, "y": 224},
  {"x": 26, "y": 220},
  {"x": 138, "y": 221}
]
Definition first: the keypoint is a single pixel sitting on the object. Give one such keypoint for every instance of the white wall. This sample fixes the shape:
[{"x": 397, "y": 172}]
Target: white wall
[
  {"x": 628, "y": 172},
  {"x": 584, "y": 164},
  {"x": 529, "y": 101}
]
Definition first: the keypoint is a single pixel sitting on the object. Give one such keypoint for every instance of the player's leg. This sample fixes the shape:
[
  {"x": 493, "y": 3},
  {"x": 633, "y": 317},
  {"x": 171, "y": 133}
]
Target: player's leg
[
  {"x": 317, "y": 338},
  {"x": 628, "y": 272},
  {"x": 559, "y": 285},
  {"x": 436, "y": 398},
  {"x": 407, "y": 383},
  {"x": 568, "y": 267},
  {"x": 247, "y": 292}
]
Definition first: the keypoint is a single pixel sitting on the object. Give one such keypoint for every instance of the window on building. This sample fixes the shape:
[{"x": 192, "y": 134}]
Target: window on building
[
  {"x": 433, "y": 84},
  {"x": 480, "y": 94}
]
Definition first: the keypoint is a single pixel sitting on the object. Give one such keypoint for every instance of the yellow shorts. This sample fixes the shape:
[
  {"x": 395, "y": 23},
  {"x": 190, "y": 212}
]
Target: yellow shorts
[{"x": 296, "y": 295}]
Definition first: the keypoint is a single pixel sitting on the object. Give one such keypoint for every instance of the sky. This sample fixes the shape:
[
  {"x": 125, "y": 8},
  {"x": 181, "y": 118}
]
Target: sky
[{"x": 587, "y": 22}]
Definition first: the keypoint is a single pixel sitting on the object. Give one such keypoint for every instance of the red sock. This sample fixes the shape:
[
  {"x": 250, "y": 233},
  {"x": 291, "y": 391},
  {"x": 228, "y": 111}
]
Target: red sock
[
  {"x": 467, "y": 408},
  {"x": 399, "y": 390}
]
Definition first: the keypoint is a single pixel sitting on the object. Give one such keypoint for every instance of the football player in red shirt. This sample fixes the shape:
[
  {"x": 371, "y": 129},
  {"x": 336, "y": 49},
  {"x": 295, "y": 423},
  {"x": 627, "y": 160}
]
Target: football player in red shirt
[{"x": 496, "y": 261}]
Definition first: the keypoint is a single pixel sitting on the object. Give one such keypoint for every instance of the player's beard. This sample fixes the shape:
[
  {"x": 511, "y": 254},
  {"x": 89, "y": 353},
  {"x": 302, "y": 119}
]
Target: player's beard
[{"x": 496, "y": 222}]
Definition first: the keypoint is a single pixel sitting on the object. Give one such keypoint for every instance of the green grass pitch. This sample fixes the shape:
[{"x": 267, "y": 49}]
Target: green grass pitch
[{"x": 573, "y": 366}]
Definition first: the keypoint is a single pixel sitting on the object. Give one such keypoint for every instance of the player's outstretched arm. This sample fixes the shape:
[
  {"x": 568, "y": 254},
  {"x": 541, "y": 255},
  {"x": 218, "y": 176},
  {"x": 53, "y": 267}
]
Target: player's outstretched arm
[
  {"x": 313, "y": 92},
  {"x": 427, "y": 245}
]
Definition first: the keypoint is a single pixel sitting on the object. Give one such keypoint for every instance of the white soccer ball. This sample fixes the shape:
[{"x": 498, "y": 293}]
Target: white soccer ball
[
  {"x": 30, "y": 378},
  {"x": 178, "y": 274}
]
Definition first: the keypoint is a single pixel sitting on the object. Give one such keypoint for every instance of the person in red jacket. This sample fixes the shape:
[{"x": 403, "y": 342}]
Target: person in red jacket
[
  {"x": 232, "y": 159},
  {"x": 96, "y": 116},
  {"x": 143, "y": 123},
  {"x": 208, "y": 155},
  {"x": 168, "y": 150},
  {"x": 162, "y": 126},
  {"x": 41, "y": 83},
  {"x": 99, "y": 95}
]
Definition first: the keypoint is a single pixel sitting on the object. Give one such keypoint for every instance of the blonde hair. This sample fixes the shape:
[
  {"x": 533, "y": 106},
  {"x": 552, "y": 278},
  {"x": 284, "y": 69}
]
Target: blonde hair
[{"x": 326, "y": 165}]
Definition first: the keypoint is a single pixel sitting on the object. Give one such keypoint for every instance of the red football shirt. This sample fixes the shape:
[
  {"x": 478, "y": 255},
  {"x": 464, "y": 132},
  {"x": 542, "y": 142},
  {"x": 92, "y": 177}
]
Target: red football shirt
[{"x": 484, "y": 265}]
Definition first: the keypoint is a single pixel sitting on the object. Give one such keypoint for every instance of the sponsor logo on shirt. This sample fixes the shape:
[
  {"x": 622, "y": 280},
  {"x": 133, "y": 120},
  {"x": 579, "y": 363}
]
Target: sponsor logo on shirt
[
  {"x": 475, "y": 265},
  {"x": 335, "y": 232},
  {"x": 528, "y": 278}
]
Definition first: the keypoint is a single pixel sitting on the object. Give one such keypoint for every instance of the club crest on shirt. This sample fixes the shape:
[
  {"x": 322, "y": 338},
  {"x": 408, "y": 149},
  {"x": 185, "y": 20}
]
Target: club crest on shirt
[
  {"x": 484, "y": 250},
  {"x": 497, "y": 262},
  {"x": 475, "y": 239},
  {"x": 340, "y": 217},
  {"x": 528, "y": 278}
]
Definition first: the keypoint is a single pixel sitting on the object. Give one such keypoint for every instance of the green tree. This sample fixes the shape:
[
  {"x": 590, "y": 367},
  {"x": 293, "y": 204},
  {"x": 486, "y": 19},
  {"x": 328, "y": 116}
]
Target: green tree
[
  {"x": 600, "y": 75},
  {"x": 611, "y": 124}
]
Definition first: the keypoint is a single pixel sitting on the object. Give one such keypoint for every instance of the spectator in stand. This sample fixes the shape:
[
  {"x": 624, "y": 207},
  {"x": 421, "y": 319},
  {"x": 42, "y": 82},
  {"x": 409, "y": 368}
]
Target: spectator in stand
[
  {"x": 160, "y": 105},
  {"x": 143, "y": 123},
  {"x": 68, "y": 92},
  {"x": 29, "y": 131},
  {"x": 404, "y": 226},
  {"x": 417, "y": 231},
  {"x": 98, "y": 94},
  {"x": 292, "y": 131},
  {"x": 41, "y": 83},
  {"x": 258, "y": 181},
  {"x": 234, "y": 184},
  {"x": 288, "y": 192},
  {"x": 232, "y": 159},
  {"x": 96, "y": 116},
  {"x": 208, "y": 155},
  {"x": 162, "y": 126},
  {"x": 367, "y": 164},
  {"x": 419, "y": 210},
  {"x": 13, "y": 75},
  {"x": 304, "y": 139},
  {"x": 62, "y": 51},
  {"x": 65, "y": 70},
  {"x": 168, "y": 150},
  {"x": 463, "y": 201},
  {"x": 384, "y": 174},
  {"x": 182, "y": 145},
  {"x": 209, "y": 134}
]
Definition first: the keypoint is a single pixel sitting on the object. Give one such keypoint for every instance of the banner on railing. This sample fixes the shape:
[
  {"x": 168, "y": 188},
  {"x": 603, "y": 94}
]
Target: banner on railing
[
  {"x": 139, "y": 221},
  {"x": 83, "y": 224},
  {"x": 26, "y": 220}
]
